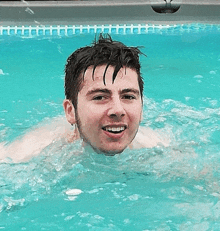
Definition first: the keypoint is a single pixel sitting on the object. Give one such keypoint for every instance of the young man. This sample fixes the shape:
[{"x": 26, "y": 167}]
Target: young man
[
  {"x": 104, "y": 99},
  {"x": 104, "y": 90}
]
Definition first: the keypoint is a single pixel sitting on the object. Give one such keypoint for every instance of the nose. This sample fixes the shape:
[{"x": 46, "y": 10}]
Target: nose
[{"x": 116, "y": 109}]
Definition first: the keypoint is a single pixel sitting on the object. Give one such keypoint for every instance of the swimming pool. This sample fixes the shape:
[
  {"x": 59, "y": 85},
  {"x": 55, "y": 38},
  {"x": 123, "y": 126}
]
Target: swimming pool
[{"x": 173, "y": 188}]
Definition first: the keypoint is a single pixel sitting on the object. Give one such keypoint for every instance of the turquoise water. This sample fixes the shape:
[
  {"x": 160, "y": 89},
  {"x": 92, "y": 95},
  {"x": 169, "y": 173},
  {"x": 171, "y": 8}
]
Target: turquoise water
[{"x": 173, "y": 188}]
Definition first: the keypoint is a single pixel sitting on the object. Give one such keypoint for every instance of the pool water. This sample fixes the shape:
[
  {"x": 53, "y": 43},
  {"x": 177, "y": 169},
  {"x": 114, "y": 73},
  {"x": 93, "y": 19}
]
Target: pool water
[{"x": 68, "y": 187}]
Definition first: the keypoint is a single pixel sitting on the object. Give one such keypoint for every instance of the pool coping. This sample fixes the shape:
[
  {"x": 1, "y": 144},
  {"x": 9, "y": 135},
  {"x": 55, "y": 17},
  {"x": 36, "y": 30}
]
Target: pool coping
[
  {"x": 102, "y": 3},
  {"x": 106, "y": 12}
]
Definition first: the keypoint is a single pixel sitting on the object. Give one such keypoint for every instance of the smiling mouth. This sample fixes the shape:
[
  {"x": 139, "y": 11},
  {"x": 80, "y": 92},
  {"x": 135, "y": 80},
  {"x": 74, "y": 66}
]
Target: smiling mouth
[{"x": 114, "y": 130}]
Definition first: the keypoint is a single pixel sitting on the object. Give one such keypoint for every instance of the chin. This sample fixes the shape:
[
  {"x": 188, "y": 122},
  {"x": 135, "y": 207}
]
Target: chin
[{"x": 108, "y": 152}]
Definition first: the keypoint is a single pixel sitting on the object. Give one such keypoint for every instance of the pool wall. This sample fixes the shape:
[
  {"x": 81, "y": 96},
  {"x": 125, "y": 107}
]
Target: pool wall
[{"x": 105, "y": 12}]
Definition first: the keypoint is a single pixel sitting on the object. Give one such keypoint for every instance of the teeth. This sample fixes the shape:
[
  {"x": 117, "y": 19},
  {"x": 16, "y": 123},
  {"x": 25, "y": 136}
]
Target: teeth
[{"x": 114, "y": 129}]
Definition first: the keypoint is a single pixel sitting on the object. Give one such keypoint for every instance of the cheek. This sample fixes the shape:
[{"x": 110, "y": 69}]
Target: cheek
[
  {"x": 135, "y": 113},
  {"x": 91, "y": 116}
]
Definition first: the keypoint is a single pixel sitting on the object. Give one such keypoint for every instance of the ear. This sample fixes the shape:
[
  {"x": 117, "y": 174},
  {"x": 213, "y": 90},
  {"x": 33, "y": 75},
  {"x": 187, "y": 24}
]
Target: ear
[{"x": 69, "y": 111}]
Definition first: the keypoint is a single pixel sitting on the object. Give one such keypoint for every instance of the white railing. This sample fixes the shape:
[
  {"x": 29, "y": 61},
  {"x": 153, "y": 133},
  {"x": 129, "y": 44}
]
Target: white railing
[{"x": 67, "y": 30}]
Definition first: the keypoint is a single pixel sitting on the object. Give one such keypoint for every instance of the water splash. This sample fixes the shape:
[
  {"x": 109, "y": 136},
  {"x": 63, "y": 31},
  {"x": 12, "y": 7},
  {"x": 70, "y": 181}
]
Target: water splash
[{"x": 2, "y": 72}]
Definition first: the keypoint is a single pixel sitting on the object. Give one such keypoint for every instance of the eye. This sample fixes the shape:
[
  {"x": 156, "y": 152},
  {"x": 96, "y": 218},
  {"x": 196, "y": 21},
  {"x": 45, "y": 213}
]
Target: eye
[
  {"x": 99, "y": 98},
  {"x": 129, "y": 97}
]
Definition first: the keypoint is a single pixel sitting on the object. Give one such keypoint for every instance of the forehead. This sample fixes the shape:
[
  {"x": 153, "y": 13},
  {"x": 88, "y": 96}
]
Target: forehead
[{"x": 125, "y": 76}]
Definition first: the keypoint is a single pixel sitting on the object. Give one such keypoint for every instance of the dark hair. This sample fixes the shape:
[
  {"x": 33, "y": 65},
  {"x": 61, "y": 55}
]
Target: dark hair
[{"x": 105, "y": 51}]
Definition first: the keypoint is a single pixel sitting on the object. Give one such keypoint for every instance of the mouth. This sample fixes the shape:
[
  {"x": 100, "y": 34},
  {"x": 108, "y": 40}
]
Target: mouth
[{"x": 115, "y": 129}]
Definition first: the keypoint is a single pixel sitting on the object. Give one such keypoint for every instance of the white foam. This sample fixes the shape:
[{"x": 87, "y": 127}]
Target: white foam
[
  {"x": 198, "y": 76},
  {"x": 133, "y": 197},
  {"x": 73, "y": 192},
  {"x": 212, "y": 72},
  {"x": 2, "y": 72},
  {"x": 93, "y": 191},
  {"x": 72, "y": 198}
]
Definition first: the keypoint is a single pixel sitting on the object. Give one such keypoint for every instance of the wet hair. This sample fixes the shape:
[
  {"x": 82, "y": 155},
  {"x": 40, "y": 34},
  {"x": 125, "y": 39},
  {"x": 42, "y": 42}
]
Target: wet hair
[{"x": 105, "y": 51}]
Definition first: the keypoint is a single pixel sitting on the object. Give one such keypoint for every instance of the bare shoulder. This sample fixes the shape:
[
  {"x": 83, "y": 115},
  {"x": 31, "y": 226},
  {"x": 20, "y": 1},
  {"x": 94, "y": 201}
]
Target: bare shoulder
[
  {"x": 35, "y": 140},
  {"x": 149, "y": 138}
]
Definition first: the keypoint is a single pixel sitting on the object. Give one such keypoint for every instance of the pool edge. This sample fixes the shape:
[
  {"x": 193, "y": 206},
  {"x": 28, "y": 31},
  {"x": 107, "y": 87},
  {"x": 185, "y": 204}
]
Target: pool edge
[{"x": 92, "y": 13}]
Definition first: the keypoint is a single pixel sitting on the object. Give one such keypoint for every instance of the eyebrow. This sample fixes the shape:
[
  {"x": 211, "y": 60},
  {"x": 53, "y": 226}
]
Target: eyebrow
[
  {"x": 133, "y": 90},
  {"x": 104, "y": 90},
  {"x": 97, "y": 90}
]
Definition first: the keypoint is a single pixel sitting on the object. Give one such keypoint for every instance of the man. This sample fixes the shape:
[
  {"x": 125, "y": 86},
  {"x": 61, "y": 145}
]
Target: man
[
  {"x": 104, "y": 100},
  {"x": 104, "y": 90},
  {"x": 104, "y": 97}
]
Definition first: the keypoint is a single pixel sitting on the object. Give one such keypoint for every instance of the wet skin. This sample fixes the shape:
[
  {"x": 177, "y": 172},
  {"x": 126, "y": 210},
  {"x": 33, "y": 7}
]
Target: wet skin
[{"x": 108, "y": 115}]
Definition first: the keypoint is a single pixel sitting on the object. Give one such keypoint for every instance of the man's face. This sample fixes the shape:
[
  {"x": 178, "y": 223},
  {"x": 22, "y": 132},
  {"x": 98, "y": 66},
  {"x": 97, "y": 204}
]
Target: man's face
[{"x": 108, "y": 116}]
